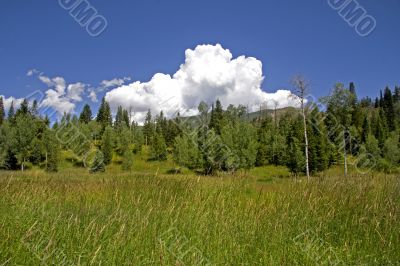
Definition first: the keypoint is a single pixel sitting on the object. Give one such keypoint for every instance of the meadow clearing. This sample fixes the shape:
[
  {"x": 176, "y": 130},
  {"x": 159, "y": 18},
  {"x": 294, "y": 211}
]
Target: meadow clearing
[{"x": 152, "y": 216}]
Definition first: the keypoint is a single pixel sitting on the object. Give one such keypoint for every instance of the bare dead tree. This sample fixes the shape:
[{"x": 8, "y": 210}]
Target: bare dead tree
[{"x": 301, "y": 87}]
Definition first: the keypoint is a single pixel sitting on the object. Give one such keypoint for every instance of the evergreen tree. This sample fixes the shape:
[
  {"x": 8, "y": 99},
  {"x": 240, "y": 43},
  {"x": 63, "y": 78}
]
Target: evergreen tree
[
  {"x": 107, "y": 145},
  {"x": 34, "y": 109},
  {"x": 2, "y": 112},
  {"x": 104, "y": 116},
  {"x": 366, "y": 130},
  {"x": 388, "y": 107},
  {"x": 148, "y": 128},
  {"x": 127, "y": 160},
  {"x": 51, "y": 151},
  {"x": 126, "y": 119},
  {"x": 186, "y": 152},
  {"x": 98, "y": 163},
  {"x": 295, "y": 159},
  {"x": 119, "y": 118},
  {"x": 8, "y": 158},
  {"x": 23, "y": 109},
  {"x": 380, "y": 126},
  {"x": 372, "y": 147},
  {"x": 25, "y": 133},
  {"x": 318, "y": 151},
  {"x": 214, "y": 152},
  {"x": 86, "y": 115},
  {"x": 158, "y": 148},
  {"x": 217, "y": 120},
  {"x": 240, "y": 139},
  {"x": 391, "y": 149},
  {"x": 11, "y": 113}
]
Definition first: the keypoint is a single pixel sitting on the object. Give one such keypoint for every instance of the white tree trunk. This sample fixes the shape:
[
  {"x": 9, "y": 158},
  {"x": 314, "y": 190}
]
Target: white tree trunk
[{"x": 306, "y": 140}]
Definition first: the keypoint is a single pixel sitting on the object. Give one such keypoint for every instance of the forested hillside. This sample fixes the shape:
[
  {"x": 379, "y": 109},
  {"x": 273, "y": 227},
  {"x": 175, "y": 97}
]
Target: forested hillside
[{"x": 342, "y": 130}]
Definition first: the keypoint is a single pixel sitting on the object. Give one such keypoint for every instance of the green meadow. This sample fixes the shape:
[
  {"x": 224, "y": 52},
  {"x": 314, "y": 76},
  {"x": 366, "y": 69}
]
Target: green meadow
[{"x": 156, "y": 216}]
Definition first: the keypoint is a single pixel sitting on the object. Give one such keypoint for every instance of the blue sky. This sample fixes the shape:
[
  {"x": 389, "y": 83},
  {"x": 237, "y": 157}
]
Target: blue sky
[{"x": 147, "y": 37}]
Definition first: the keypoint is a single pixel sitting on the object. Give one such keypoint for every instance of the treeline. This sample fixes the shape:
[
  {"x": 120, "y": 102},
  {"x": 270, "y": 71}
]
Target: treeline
[{"x": 218, "y": 139}]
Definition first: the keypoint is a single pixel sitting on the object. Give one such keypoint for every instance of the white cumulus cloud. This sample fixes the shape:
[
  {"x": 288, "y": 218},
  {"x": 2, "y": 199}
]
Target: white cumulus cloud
[
  {"x": 7, "y": 102},
  {"x": 60, "y": 96},
  {"x": 209, "y": 72}
]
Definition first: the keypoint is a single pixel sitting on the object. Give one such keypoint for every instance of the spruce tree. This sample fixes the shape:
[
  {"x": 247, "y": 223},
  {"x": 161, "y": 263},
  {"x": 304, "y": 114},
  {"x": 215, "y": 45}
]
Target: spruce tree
[
  {"x": 158, "y": 148},
  {"x": 98, "y": 163},
  {"x": 51, "y": 151},
  {"x": 118, "y": 118},
  {"x": 388, "y": 107},
  {"x": 11, "y": 113},
  {"x": 366, "y": 130},
  {"x": 86, "y": 115},
  {"x": 126, "y": 119},
  {"x": 25, "y": 134},
  {"x": 107, "y": 145},
  {"x": 34, "y": 109},
  {"x": 127, "y": 160},
  {"x": 104, "y": 116},
  {"x": 148, "y": 128},
  {"x": 217, "y": 121}
]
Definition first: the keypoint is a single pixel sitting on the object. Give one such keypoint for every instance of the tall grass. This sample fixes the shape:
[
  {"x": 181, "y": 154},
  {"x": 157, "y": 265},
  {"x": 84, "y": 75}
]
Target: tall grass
[{"x": 188, "y": 220}]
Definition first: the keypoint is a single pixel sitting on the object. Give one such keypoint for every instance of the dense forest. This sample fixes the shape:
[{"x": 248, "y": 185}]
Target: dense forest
[{"x": 339, "y": 129}]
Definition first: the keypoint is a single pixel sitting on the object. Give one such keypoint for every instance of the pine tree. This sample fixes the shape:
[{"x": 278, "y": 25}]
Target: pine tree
[
  {"x": 380, "y": 126},
  {"x": 148, "y": 128},
  {"x": 295, "y": 159},
  {"x": 391, "y": 149},
  {"x": 11, "y": 113},
  {"x": 25, "y": 133},
  {"x": 86, "y": 115},
  {"x": 158, "y": 148},
  {"x": 34, "y": 109},
  {"x": 118, "y": 118},
  {"x": 104, "y": 116},
  {"x": 186, "y": 152},
  {"x": 125, "y": 118},
  {"x": 51, "y": 151},
  {"x": 98, "y": 163},
  {"x": 372, "y": 147},
  {"x": 2, "y": 112},
  {"x": 388, "y": 107},
  {"x": 107, "y": 145},
  {"x": 127, "y": 160},
  {"x": 23, "y": 109},
  {"x": 366, "y": 130},
  {"x": 318, "y": 152},
  {"x": 217, "y": 121}
]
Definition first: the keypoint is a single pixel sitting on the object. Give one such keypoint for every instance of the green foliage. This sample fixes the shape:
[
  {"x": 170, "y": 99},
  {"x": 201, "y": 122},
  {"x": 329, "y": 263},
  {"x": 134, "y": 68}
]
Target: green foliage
[
  {"x": 104, "y": 117},
  {"x": 127, "y": 160},
  {"x": 240, "y": 139},
  {"x": 98, "y": 164},
  {"x": 107, "y": 145},
  {"x": 186, "y": 152},
  {"x": 158, "y": 148},
  {"x": 25, "y": 133},
  {"x": 86, "y": 115},
  {"x": 2, "y": 111},
  {"x": 52, "y": 151},
  {"x": 148, "y": 128},
  {"x": 391, "y": 149}
]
